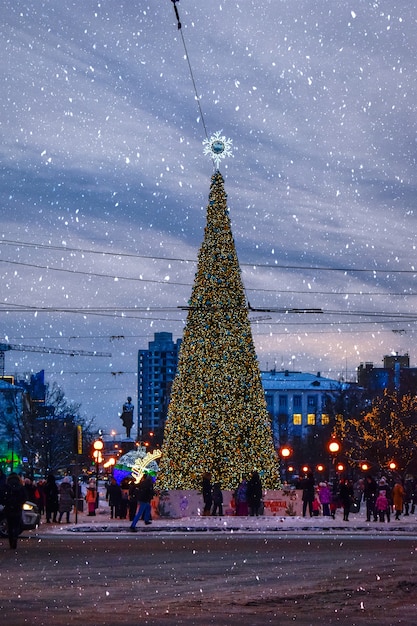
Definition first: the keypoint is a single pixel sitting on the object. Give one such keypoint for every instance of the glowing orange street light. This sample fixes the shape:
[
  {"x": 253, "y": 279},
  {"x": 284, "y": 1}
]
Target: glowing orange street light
[
  {"x": 364, "y": 467},
  {"x": 305, "y": 469},
  {"x": 320, "y": 467},
  {"x": 111, "y": 461},
  {"x": 392, "y": 465},
  {"x": 98, "y": 446},
  {"x": 285, "y": 453},
  {"x": 334, "y": 446},
  {"x": 340, "y": 467}
]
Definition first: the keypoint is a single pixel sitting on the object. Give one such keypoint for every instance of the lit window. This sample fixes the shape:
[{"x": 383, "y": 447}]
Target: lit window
[
  {"x": 297, "y": 419},
  {"x": 311, "y": 419},
  {"x": 325, "y": 419}
]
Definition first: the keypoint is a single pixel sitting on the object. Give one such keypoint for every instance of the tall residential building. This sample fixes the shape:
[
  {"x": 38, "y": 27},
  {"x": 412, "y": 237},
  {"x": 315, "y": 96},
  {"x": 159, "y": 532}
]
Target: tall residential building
[{"x": 156, "y": 371}]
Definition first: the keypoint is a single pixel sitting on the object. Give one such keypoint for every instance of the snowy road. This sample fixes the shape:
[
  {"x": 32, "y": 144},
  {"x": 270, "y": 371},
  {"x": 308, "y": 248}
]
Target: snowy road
[{"x": 197, "y": 578}]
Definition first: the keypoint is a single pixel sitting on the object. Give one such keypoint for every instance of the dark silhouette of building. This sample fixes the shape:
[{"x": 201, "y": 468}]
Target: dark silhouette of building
[{"x": 395, "y": 375}]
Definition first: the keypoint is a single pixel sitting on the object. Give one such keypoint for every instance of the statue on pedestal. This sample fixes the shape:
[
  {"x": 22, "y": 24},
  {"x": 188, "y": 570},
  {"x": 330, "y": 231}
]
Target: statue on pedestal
[{"x": 127, "y": 416}]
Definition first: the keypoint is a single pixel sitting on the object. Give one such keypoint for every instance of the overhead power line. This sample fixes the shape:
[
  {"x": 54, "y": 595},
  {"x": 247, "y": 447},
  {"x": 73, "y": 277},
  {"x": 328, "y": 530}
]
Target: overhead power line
[{"x": 254, "y": 265}]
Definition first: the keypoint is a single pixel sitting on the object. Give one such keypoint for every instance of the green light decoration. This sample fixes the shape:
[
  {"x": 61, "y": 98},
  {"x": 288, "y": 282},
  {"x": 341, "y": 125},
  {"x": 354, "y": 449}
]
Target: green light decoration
[{"x": 217, "y": 418}]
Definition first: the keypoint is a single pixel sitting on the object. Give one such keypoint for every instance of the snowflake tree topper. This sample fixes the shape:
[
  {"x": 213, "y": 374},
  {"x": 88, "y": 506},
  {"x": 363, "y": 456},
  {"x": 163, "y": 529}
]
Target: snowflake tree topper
[{"x": 218, "y": 147}]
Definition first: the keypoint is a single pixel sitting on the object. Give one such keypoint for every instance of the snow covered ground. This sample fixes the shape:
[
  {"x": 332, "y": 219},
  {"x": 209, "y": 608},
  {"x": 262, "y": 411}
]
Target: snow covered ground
[{"x": 227, "y": 523}]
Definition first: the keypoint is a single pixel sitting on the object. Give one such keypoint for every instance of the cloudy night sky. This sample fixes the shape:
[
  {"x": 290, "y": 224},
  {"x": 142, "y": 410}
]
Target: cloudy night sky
[{"x": 104, "y": 183}]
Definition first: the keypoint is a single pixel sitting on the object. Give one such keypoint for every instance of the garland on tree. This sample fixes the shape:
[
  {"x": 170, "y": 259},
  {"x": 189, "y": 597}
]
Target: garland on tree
[{"x": 217, "y": 418}]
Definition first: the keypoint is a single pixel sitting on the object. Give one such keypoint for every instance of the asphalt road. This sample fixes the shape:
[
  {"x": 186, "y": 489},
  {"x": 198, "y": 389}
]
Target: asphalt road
[{"x": 112, "y": 579}]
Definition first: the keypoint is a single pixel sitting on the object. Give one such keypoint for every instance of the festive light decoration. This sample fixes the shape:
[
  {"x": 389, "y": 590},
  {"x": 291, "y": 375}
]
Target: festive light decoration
[
  {"x": 141, "y": 465},
  {"x": 217, "y": 147},
  {"x": 135, "y": 463},
  {"x": 217, "y": 418}
]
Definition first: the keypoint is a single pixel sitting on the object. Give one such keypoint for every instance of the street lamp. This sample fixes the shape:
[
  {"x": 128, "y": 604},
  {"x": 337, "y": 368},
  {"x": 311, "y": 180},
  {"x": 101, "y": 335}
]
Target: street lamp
[
  {"x": 98, "y": 457},
  {"x": 110, "y": 464},
  {"x": 333, "y": 447},
  {"x": 285, "y": 453}
]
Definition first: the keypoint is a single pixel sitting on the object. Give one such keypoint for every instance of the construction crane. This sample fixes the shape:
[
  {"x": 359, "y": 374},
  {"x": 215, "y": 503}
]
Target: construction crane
[{"x": 5, "y": 347}]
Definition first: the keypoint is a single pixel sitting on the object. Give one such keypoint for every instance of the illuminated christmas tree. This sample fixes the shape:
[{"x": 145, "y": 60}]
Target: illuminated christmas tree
[{"x": 217, "y": 418}]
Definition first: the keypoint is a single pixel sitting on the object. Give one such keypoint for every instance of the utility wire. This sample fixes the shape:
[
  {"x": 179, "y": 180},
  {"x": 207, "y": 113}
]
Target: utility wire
[
  {"x": 254, "y": 265},
  {"x": 187, "y": 56}
]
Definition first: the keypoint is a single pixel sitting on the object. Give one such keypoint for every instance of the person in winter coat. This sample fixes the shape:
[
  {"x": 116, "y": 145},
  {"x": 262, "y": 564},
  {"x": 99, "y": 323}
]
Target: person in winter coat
[
  {"x": 325, "y": 497},
  {"x": 382, "y": 506},
  {"x": 29, "y": 486},
  {"x": 217, "y": 499},
  {"x": 409, "y": 490},
  {"x": 40, "y": 496},
  {"x": 240, "y": 497},
  {"x": 316, "y": 505},
  {"x": 254, "y": 494},
  {"x": 91, "y": 498},
  {"x": 145, "y": 494},
  {"x": 207, "y": 493},
  {"x": 398, "y": 494},
  {"x": 346, "y": 496},
  {"x": 115, "y": 498},
  {"x": 370, "y": 493},
  {"x": 14, "y": 498},
  {"x": 51, "y": 499},
  {"x": 307, "y": 485},
  {"x": 66, "y": 499},
  {"x": 133, "y": 499}
]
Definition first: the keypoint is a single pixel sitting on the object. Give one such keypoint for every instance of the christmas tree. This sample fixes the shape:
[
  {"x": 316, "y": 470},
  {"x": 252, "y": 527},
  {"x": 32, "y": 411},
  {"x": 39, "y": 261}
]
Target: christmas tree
[{"x": 217, "y": 418}]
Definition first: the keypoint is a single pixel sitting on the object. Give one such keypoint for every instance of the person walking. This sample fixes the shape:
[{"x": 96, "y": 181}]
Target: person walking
[
  {"x": 217, "y": 499},
  {"x": 115, "y": 498},
  {"x": 14, "y": 497},
  {"x": 241, "y": 500},
  {"x": 254, "y": 494},
  {"x": 409, "y": 490},
  {"x": 346, "y": 496},
  {"x": 91, "y": 498},
  {"x": 370, "y": 493},
  {"x": 382, "y": 506},
  {"x": 51, "y": 499},
  {"x": 133, "y": 499},
  {"x": 207, "y": 493},
  {"x": 307, "y": 485},
  {"x": 325, "y": 497},
  {"x": 66, "y": 499},
  {"x": 383, "y": 486},
  {"x": 398, "y": 494},
  {"x": 145, "y": 494}
]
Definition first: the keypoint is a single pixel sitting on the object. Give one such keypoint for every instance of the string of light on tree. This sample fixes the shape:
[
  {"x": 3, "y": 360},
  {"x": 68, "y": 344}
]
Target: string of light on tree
[{"x": 217, "y": 418}]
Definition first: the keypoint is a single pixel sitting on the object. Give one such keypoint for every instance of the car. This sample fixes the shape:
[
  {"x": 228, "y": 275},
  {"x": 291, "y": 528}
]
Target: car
[{"x": 30, "y": 518}]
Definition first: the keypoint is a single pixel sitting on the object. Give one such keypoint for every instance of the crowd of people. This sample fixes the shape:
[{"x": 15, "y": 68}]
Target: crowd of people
[
  {"x": 380, "y": 497},
  {"x": 54, "y": 498},
  {"x": 130, "y": 500},
  {"x": 247, "y": 497}
]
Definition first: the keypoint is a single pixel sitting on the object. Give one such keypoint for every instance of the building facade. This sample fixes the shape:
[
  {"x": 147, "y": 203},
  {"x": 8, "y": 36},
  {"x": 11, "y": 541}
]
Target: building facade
[
  {"x": 156, "y": 371},
  {"x": 298, "y": 403},
  {"x": 395, "y": 375}
]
